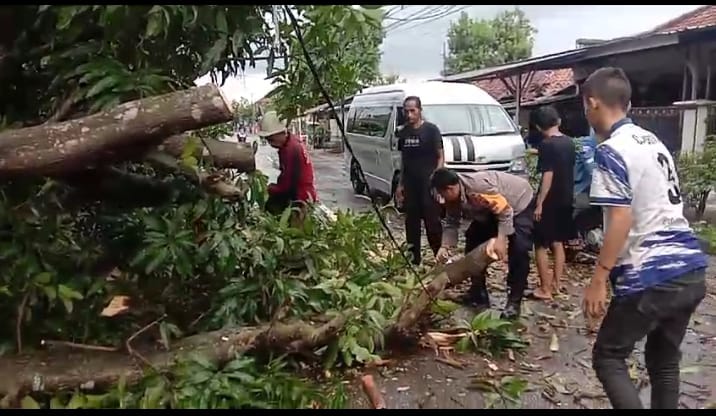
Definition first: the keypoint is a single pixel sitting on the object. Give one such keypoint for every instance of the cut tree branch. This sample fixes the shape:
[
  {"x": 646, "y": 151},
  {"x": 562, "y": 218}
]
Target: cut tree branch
[
  {"x": 78, "y": 144},
  {"x": 222, "y": 155},
  {"x": 93, "y": 370},
  {"x": 473, "y": 263}
]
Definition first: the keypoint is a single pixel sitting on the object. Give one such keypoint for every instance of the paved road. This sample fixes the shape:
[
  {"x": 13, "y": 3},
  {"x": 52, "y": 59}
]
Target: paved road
[{"x": 560, "y": 379}]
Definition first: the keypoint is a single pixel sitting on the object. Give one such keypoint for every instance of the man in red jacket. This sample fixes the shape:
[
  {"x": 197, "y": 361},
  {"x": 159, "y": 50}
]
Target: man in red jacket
[{"x": 295, "y": 182}]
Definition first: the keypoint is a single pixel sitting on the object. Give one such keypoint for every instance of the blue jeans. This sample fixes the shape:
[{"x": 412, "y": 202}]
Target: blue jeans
[{"x": 662, "y": 314}]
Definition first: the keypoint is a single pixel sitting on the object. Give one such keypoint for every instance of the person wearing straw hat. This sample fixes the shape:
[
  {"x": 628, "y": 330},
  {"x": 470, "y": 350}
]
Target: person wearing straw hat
[{"x": 295, "y": 182}]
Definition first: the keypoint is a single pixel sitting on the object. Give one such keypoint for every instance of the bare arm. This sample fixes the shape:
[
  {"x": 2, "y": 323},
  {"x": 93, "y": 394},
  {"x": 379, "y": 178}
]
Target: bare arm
[
  {"x": 438, "y": 143},
  {"x": 451, "y": 224},
  {"x": 441, "y": 158},
  {"x": 546, "y": 167},
  {"x": 619, "y": 220},
  {"x": 545, "y": 185}
]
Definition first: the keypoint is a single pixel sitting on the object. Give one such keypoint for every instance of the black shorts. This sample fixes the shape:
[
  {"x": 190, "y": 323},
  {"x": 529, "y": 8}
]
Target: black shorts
[{"x": 556, "y": 226}]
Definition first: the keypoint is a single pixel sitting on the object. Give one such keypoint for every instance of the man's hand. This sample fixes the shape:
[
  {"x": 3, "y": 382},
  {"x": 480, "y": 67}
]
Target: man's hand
[
  {"x": 538, "y": 213},
  {"x": 399, "y": 194},
  {"x": 497, "y": 248},
  {"x": 442, "y": 255},
  {"x": 594, "y": 304}
]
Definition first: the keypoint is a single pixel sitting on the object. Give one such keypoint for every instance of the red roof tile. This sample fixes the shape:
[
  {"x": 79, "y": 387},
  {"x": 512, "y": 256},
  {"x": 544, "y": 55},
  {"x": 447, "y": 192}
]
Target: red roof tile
[
  {"x": 544, "y": 84},
  {"x": 696, "y": 19}
]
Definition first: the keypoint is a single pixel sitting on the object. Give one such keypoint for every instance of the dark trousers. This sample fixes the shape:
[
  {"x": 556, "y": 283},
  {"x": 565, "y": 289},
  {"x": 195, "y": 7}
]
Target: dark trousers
[
  {"x": 660, "y": 313},
  {"x": 420, "y": 206},
  {"x": 518, "y": 252}
]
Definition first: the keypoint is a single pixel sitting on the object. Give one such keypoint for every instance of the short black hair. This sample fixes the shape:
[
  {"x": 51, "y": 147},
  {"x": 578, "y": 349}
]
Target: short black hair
[
  {"x": 415, "y": 99},
  {"x": 610, "y": 85},
  {"x": 442, "y": 178},
  {"x": 545, "y": 117}
]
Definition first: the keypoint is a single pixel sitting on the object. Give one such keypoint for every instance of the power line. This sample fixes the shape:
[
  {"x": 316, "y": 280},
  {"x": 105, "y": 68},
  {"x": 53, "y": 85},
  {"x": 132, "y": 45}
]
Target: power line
[
  {"x": 425, "y": 12},
  {"x": 441, "y": 16}
]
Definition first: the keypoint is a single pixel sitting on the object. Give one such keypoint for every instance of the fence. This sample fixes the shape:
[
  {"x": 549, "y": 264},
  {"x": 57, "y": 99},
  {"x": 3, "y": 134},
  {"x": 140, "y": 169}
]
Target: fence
[{"x": 665, "y": 122}]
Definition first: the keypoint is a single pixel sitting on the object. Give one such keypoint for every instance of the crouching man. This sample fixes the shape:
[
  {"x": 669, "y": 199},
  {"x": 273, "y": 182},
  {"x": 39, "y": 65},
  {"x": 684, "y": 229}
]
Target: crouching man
[
  {"x": 295, "y": 182},
  {"x": 499, "y": 205}
]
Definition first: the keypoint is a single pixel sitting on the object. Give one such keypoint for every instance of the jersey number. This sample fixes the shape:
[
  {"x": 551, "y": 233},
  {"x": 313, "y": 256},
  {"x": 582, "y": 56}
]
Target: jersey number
[{"x": 674, "y": 192}]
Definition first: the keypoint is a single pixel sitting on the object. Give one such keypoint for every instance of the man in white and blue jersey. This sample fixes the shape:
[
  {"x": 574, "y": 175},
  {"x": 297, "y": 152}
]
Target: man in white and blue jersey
[{"x": 650, "y": 254}]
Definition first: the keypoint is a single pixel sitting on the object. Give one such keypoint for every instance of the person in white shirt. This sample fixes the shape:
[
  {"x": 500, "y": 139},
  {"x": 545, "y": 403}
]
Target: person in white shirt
[{"x": 650, "y": 254}]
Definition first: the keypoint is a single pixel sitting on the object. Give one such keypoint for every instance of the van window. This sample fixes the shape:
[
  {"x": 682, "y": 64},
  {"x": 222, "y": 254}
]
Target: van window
[
  {"x": 371, "y": 121},
  {"x": 475, "y": 119}
]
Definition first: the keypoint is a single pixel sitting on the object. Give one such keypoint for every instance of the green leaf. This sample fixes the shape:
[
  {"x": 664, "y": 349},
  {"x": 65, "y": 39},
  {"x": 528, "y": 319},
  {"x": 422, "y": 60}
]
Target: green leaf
[
  {"x": 55, "y": 403},
  {"x": 214, "y": 54},
  {"x": 102, "y": 85},
  {"x": 77, "y": 402},
  {"x": 65, "y": 16},
  {"x": 157, "y": 260},
  {"x": 444, "y": 307},
  {"x": 66, "y": 292},
  {"x": 43, "y": 278},
  {"x": 221, "y": 24},
  {"x": 154, "y": 22},
  {"x": 50, "y": 292},
  {"x": 28, "y": 402},
  {"x": 202, "y": 361}
]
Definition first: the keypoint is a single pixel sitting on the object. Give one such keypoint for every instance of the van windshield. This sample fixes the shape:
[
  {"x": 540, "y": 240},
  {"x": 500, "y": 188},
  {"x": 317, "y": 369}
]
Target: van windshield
[{"x": 474, "y": 119}]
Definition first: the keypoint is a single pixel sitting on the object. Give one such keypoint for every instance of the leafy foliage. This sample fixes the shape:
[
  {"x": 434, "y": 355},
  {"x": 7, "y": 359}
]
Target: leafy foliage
[
  {"x": 697, "y": 176},
  {"x": 504, "y": 393},
  {"x": 343, "y": 43},
  {"x": 97, "y": 56},
  {"x": 490, "y": 335},
  {"x": 200, "y": 261},
  {"x": 474, "y": 44}
]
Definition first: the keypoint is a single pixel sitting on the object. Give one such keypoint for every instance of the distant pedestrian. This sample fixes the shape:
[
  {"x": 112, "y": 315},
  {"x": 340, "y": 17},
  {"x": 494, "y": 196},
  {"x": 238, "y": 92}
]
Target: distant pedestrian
[
  {"x": 650, "y": 254},
  {"x": 421, "y": 148},
  {"x": 295, "y": 182}
]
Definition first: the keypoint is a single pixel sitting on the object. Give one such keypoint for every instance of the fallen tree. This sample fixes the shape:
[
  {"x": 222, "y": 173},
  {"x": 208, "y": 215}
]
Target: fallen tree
[
  {"x": 97, "y": 370},
  {"x": 100, "y": 368},
  {"x": 86, "y": 142}
]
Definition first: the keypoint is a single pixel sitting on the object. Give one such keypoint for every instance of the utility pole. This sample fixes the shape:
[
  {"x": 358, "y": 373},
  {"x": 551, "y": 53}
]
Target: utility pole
[{"x": 444, "y": 58}]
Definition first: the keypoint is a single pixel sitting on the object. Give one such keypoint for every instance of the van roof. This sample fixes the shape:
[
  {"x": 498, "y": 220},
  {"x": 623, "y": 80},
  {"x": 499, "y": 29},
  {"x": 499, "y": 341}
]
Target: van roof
[{"x": 430, "y": 92}]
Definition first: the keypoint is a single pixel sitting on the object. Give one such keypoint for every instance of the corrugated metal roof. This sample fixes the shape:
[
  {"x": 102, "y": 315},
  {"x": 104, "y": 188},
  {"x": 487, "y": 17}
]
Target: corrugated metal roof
[{"x": 551, "y": 61}]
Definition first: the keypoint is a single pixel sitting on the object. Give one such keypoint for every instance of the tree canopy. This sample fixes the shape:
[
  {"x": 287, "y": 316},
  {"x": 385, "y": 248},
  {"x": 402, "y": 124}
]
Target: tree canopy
[
  {"x": 479, "y": 43},
  {"x": 346, "y": 56}
]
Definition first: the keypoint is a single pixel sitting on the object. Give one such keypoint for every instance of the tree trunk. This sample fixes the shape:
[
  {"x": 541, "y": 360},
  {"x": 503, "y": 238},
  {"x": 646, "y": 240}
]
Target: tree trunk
[
  {"x": 474, "y": 263},
  {"x": 77, "y": 144},
  {"x": 222, "y": 155},
  {"x": 91, "y": 370},
  {"x": 101, "y": 370}
]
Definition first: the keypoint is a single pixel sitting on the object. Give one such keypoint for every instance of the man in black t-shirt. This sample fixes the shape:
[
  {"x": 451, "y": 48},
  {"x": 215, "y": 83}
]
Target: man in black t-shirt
[
  {"x": 421, "y": 146},
  {"x": 553, "y": 208}
]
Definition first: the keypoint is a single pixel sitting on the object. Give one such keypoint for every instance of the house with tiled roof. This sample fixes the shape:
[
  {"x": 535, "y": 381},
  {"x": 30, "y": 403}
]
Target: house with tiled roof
[{"x": 673, "y": 62}]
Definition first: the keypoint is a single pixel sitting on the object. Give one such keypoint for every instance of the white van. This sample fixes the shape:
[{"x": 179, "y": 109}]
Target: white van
[{"x": 478, "y": 133}]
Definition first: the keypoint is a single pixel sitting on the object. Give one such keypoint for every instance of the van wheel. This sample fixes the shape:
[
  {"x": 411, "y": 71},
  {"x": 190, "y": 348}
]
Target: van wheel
[
  {"x": 356, "y": 180},
  {"x": 394, "y": 196}
]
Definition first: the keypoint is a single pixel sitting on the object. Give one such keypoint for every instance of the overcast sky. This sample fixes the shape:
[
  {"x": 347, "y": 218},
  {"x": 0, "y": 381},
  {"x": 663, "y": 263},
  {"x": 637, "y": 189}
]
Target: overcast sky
[{"x": 414, "y": 51}]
